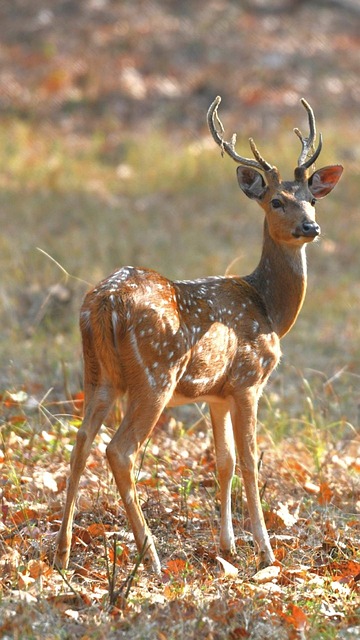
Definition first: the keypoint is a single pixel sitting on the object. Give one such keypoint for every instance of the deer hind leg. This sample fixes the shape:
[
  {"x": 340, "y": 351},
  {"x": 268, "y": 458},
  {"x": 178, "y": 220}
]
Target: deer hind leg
[
  {"x": 244, "y": 415},
  {"x": 99, "y": 400},
  {"x": 135, "y": 428},
  {"x": 225, "y": 461}
]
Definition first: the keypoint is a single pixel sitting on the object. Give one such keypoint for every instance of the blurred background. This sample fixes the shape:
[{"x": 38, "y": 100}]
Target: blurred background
[{"x": 105, "y": 160}]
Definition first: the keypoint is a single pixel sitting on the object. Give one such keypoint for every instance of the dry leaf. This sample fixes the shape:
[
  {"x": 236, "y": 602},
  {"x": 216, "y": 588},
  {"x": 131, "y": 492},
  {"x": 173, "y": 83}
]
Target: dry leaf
[
  {"x": 288, "y": 518},
  {"x": 97, "y": 529},
  {"x": 266, "y": 575},
  {"x": 230, "y": 571},
  {"x": 38, "y": 568},
  {"x": 72, "y": 613},
  {"x": 312, "y": 488},
  {"x": 24, "y": 596},
  {"x": 49, "y": 481},
  {"x": 177, "y": 566}
]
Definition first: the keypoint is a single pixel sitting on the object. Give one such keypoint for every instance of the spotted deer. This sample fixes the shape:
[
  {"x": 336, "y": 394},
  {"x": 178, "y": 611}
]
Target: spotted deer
[{"x": 216, "y": 339}]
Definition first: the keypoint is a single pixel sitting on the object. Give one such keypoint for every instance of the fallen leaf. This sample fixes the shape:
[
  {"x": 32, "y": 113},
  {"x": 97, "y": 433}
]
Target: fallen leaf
[
  {"x": 72, "y": 613},
  {"x": 266, "y": 575},
  {"x": 96, "y": 529},
  {"x": 18, "y": 397},
  {"x": 176, "y": 567},
  {"x": 312, "y": 488},
  {"x": 25, "y": 581},
  {"x": 23, "y": 515},
  {"x": 49, "y": 481},
  {"x": 294, "y": 575},
  {"x": 24, "y": 596},
  {"x": 325, "y": 494},
  {"x": 297, "y": 617},
  {"x": 230, "y": 571},
  {"x": 37, "y": 568},
  {"x": 288, "y": 518}
]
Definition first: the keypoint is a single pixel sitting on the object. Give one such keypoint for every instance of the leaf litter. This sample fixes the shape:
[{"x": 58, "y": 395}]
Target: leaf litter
[{"x": 315, "y": 535}]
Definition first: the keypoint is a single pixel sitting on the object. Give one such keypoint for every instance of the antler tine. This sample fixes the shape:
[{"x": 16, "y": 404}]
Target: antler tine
[
  {"x": 265, "y": 165},
  {"x": 213, "y": 120},
  {"x": 308, "y": 143}
]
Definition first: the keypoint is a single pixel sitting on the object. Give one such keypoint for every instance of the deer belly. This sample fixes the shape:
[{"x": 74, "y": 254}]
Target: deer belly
[
  {"x": 209, "y": 364},
  {"x": 217, "y": 367}
]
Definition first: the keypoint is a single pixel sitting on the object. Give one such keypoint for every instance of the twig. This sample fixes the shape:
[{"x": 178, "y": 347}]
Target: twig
[
  {"x": 127, "y": 583},
  {"x": 136, "y": 566},
  {"x": 66, "y": 273},
  {"x": 111, "y": 577},
  {"x": 68, "y": 584}
]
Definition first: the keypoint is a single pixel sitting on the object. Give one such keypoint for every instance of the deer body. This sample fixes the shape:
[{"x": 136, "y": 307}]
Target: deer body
[
  {"x": 216, "y": 339},
  {"x": 203, "y": 337}
]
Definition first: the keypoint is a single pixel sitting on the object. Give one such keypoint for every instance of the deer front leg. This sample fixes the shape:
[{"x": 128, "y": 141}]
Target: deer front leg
[
  {"x": 225, "y": 462},
  {"x": 244, "y": 414}
]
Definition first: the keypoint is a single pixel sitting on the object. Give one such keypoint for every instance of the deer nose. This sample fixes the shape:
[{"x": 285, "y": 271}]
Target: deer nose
[
  {"x": 308, "y": 229},
  {"x": 311, "y": 229}
]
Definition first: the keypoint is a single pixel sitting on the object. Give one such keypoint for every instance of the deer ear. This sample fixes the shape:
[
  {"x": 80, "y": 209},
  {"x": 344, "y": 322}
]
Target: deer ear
[
  {"x": 251, "y": 182},
  {"x": 324, "y": 180}
]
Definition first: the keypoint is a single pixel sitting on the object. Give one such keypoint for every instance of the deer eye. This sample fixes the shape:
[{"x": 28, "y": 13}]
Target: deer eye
[
  {"x": 313, "y": 202},
  {"x": 277, "y": 204}
]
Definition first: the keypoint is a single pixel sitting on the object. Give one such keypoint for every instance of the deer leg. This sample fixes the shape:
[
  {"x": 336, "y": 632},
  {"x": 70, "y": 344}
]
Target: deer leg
[
  {"x": 121, "y": 452},
  {"x": 98, "y": 404},
  {"x": 244, "y": 414},
  {"x": 225, "y": 461}
]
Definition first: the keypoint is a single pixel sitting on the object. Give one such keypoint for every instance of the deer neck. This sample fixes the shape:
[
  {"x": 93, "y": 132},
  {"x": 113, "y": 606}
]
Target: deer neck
[{"x": 280, "y": 278}]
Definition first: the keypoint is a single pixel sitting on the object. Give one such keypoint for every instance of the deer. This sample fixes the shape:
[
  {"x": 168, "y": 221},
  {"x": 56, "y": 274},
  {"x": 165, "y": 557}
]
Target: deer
[{"x": 216, "y": 339}]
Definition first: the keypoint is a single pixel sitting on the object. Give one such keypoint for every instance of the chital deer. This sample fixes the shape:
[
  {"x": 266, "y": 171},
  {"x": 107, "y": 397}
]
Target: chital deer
[{"x": 215, "y": 339}]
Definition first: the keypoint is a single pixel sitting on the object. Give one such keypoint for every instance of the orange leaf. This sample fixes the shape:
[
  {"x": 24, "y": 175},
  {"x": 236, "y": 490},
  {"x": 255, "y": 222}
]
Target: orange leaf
[
  {"x": 177, "y": 566},
  {"x": 298, "y": 616},
  {"x": 280, "y": 553},
  {"x": 23, "y": 515},
  {"x": 356, "y": 465},
  {"x": 239, "y": 632},
  {"x": 122, "y": 554},
  {"x": 25, "y": 582},
  {"x": 96, "y": 529},
  {"x": 149, "y": 482},
  {"x": 273, "y": 521},
  {"x": 78, "y": 402},
  {"x": 325, "y": 494},
  {"x": 294, "y": 616},
  {"x": 18, "y": 419},
  {"x": 80, "y": 534},
  {"x": 345, "y": 569},
  {"x": 299, "y": 470},
  {"x": 38, "y": 568}
]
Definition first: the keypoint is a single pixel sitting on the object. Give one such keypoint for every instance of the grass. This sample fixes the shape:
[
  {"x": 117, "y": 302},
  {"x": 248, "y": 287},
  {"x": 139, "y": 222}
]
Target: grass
[
  {"x": 175, "y": 209},
  {"x": 92, "y": 206}
]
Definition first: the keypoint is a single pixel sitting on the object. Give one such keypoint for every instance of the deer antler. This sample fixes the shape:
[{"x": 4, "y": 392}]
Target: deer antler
[
  {"x": 213, "y": 120},
  {"x": 308, "y": 143}
]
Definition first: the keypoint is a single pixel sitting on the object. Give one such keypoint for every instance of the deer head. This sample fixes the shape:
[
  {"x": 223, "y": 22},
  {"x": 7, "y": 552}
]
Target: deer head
[{"x": 261, "y": 181}]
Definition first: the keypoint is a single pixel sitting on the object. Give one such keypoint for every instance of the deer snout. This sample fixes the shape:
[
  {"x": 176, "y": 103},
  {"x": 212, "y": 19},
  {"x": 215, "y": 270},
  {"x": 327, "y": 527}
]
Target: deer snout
[{"x": 307, "y": 229}]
